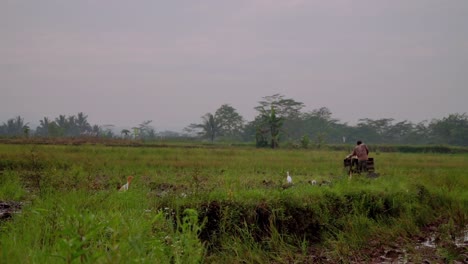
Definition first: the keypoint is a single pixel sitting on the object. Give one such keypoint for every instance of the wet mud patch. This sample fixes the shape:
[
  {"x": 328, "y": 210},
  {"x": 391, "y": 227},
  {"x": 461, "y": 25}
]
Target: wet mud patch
[
  {"x": 8, "y": 209},
  {"x": 428, "y": 247}
]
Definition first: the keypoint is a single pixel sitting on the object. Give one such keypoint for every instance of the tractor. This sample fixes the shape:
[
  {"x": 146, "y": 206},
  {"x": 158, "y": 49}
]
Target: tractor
[{"x": 351, "y": 166}]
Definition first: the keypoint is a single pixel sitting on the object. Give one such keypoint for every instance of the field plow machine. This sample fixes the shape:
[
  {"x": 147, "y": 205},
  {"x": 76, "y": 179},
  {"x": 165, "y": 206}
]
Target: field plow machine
[{"x": 351, "y": 166}]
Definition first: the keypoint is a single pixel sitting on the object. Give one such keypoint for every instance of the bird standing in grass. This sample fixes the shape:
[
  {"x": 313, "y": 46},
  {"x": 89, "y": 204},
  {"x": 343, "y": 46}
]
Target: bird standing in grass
[
  {"x": 125, "y": 186},
  {"x": 288, "y": 178}
]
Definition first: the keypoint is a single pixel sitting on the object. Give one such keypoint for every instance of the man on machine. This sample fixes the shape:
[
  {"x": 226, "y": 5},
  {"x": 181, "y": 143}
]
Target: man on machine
[{"x": 362, "y": 153}]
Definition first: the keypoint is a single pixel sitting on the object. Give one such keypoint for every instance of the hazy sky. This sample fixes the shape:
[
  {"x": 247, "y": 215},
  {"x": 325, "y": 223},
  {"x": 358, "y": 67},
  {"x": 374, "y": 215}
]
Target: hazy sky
[{"x": 123, "y": 62}]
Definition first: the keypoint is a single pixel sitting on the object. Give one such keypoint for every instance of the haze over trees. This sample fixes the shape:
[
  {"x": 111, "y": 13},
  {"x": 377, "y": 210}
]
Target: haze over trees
[
  {"x": 279, "y": 121},
  {"x": 226, "y": 122}
]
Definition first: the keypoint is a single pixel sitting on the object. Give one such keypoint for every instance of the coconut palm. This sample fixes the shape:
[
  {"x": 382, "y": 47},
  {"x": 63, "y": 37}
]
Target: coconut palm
[
  {"x": 15, "y": 126},
  {"x": 125, "y": 133},
  {"x": 81, "y": 122},
  {"x": 210, "y": 127},
  {"x": 43, "y": 128}
]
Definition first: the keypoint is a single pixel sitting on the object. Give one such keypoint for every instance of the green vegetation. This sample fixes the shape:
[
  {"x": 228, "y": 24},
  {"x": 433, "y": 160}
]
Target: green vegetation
[
  {"x": 280, "y": 121},
  {"x": 225, "y": 205}
]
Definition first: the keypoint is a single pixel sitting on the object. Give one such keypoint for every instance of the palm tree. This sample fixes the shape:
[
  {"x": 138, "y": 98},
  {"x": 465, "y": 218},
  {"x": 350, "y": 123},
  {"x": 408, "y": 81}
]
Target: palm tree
[
  {"x": 26, "y": 130},
  {"x": 72, "y": 127},
  {"x": 81, "y": 121},
  {"x": 95, "y": 130},
  {"x": 210, "y": 127},
  {"x": 15, "y": 126},
  {"x": 62, "y": 124},
  {"x": 268, "y": 125},
  {"x": 125, "y": 133},
  {"x": 43, "y": 128},
  {"x": 275, "y": 123},
  {"x": 145, "y": 130}
]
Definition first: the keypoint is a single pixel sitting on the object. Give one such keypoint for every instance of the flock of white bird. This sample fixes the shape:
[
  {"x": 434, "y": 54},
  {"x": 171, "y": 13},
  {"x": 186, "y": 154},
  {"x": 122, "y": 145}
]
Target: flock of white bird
[
  {"x": 290, "y": 182},
  {"x": 130, "y": 178}
]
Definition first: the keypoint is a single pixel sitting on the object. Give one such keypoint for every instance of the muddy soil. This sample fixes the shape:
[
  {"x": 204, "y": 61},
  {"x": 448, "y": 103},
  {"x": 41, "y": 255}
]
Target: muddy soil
[
  {"x": 427, "y": 248},
  {"x": 8, "y": 208}
]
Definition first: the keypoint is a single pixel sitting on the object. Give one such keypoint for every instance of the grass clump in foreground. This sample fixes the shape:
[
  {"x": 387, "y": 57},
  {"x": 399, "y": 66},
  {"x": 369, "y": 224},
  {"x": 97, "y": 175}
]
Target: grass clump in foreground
[
  {"x": 100, "y": 228},
  {"x": 192, "y": 205}
]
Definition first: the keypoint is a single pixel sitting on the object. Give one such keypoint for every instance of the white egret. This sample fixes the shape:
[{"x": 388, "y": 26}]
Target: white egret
[{"x": 288, "y": 178}]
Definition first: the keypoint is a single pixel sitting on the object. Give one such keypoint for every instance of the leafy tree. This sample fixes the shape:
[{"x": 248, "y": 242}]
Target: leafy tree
[
  {"x": 305, "y": 140},
  {"x": 284, "y": 107},
  {"x": 339, "y": 133},
  {"x": 225, "y": 122},
  {"x": 384, "y": 131},
  {"x": 229, "y": 122},
  {"x": 399, "y": 132},
  {"x": 320, "y": 140},
  {"x": 380, "y": 126},
  {"x": 451, "y": 130},
  {"x": 285, "y": 110},
  {"x": 419, "y": 134},
  {"x": 278, "y": 119},
  {"x": 319, "y": 124},
  {"x": 106, "y": 131},
  {"x": 250, "y": 130},
  {"x": 261, "y": 137},
  {"x": 373, "y": 131}
]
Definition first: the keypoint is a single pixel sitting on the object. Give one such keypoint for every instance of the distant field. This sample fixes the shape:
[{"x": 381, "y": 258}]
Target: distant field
[{"x": 228, "y": 205}]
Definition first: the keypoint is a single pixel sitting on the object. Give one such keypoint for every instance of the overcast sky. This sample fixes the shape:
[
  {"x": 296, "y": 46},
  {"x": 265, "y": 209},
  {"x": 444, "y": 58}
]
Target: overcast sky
[{"x": 123, "y": 62}]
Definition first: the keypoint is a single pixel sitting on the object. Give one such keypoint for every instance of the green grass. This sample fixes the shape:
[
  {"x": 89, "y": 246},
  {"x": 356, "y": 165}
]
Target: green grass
[{"x": 215, "y": 205}]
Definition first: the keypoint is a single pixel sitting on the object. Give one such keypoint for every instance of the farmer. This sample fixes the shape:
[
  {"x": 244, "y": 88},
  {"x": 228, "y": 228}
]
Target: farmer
[{"x": 361, "y": 152}]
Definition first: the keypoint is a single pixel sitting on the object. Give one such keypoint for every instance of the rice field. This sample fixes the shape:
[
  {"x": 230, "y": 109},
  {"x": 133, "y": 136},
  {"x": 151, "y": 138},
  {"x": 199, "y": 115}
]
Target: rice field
[{"x": 225, "y": 204}]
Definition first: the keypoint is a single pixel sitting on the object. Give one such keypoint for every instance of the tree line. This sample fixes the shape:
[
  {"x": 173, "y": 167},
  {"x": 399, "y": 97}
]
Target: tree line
[
  {"x": 279, "y": 121},
  {"x": 73, "y": 126}
]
